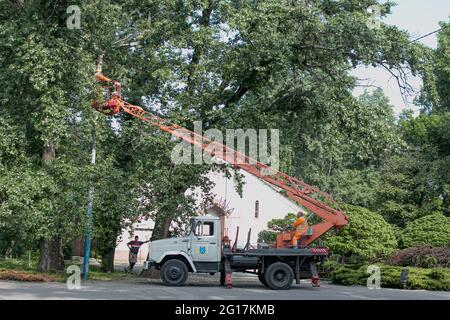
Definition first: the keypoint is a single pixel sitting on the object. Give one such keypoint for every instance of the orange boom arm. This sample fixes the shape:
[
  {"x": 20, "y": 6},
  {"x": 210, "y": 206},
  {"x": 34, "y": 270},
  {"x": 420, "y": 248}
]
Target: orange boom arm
[{"x": 316, "y": 201}]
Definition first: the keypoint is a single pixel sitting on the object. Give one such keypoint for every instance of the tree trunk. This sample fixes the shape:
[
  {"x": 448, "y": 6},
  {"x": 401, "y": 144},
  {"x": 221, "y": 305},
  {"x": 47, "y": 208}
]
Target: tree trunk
[
  {"x": 166, "y": 226},
  {"x": 9, "y": 250},
  {"x": 162, "y": 226},
  {"x": 51, "y": 256},
  {"x": 49, "y": 153},
  {"x": 108, "y": 261},
  {"x": 78, "y": 246}
]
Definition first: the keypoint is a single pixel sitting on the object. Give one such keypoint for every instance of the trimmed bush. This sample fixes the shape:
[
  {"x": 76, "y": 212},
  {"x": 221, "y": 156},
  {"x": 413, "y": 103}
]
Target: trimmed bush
[
  {"x": 433, "y": 230},
  {"x": 419, "y": 278},
  {"x": 367, "y": 235}
]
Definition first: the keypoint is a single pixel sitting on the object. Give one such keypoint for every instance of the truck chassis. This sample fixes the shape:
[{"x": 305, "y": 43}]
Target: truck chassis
[{"x": 276, "y": 268}]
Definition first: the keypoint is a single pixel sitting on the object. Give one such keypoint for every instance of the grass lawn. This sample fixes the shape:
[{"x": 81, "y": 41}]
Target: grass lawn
[{"x": 24, "y": 270}]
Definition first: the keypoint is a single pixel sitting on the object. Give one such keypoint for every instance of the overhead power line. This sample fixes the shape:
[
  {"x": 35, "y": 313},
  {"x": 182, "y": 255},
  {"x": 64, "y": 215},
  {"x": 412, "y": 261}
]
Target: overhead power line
[{"x": 429, "y": 34}]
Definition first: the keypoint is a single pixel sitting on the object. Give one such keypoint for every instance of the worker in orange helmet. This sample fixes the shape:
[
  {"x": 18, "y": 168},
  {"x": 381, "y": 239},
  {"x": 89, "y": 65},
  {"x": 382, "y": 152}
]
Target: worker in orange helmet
[{"x": 301, "y": 226}]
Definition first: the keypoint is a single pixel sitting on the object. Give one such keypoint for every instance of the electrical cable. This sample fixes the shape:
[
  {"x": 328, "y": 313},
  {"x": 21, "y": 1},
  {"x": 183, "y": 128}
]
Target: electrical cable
[{"x": 429, "y": 34}]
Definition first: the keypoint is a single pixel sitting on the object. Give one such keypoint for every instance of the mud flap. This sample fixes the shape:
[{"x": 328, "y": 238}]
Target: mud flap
[
  {"x": 314, "y": 274},
  {"x": 227, "y": 273}
]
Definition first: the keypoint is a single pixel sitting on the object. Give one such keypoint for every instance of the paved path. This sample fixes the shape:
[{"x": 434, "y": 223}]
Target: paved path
[{"x": 203, "y": 287}]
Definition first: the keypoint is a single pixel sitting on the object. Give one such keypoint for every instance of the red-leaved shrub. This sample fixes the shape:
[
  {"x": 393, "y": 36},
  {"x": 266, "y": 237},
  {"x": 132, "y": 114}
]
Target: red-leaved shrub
[
  {"x": 422, "y": 256},
  {"x": 17, "y": 275}
]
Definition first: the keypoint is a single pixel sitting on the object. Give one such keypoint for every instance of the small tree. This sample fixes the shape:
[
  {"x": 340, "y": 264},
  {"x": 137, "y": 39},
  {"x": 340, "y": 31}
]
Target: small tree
[
  {"x": 367, "y": 235},
  {"x": 275, "y": 226},
  {"x": 433, "y": 229}
]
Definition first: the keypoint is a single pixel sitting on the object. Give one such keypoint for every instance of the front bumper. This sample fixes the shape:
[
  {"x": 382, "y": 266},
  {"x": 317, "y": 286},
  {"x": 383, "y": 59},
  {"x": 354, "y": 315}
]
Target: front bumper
[{"x": 148, "y": 264}]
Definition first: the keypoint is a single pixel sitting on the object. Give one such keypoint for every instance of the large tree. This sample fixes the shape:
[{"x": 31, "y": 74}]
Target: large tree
[{"x": 46, "y": 72}]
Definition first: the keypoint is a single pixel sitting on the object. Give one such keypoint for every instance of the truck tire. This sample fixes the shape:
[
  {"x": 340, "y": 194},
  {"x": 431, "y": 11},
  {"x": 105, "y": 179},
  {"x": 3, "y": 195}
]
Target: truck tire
[
  {"x": 279, "y": 276},
  {"x": 262, "y": 279},
  {"x": 174, "y": 273}
]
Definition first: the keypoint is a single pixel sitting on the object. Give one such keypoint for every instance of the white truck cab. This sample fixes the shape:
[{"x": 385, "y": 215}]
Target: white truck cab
[{"x": 199, "y": 249}]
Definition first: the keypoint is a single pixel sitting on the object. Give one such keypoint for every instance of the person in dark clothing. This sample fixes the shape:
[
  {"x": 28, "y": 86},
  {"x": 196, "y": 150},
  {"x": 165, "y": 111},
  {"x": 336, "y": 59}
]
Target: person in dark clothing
[{"x": 134, "y": 247}]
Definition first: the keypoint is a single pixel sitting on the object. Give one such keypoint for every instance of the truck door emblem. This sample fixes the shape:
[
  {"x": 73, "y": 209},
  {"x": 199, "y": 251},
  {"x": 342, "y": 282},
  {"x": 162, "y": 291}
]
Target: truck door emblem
[{"x": 202, "y": 250}]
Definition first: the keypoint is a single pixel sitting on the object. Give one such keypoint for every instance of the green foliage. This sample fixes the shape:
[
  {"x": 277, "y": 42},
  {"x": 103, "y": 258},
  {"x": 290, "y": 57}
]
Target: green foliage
[
  {"x": 267, "y": 236},
  {"x": 435, "y": 72},
  {"x": 343, "y": 149},
  {"x": 367, "y": 235},
  {"x": 356, "y": 186},
  {"x": 115, "y": 207},
  {"x": 433, "y": 229},
  {"x": 397, "y": 193},
  {"x": 279, "y": 225},
  {"x": 28, "y": 213}
]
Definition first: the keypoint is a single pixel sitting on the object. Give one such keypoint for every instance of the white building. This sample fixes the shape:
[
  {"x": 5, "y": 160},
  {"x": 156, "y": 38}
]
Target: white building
[{"x": 259, "y": 204}]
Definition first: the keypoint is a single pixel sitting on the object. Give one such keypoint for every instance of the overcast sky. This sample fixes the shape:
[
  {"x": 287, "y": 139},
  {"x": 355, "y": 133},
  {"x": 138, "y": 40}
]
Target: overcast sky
[{"x": 418, "y": 17}]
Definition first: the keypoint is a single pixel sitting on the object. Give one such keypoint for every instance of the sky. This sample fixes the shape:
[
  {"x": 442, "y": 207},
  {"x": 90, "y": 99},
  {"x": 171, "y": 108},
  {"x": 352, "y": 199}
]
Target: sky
[{"x": 418, "y": 17}]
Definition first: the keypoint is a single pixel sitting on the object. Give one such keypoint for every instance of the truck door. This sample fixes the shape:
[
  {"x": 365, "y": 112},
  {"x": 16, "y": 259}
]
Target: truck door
[{"x": 205, "y": 245}]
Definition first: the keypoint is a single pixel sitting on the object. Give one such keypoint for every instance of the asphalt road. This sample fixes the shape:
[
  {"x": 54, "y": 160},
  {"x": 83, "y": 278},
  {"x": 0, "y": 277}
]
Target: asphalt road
[{"x": 204, "y": 287}]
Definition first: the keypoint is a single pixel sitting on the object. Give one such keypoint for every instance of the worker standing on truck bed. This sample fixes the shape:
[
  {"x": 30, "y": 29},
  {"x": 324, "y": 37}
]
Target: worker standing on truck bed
[
  {"x": 301, "y": 225},
  {"x": 134, "y": 247}
]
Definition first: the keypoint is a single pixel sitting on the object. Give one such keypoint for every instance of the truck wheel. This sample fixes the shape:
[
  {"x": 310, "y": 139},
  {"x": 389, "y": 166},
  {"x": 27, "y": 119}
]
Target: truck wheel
[
  {"x": 174, "y": 273},
  {"x": 279, "y": 276}
]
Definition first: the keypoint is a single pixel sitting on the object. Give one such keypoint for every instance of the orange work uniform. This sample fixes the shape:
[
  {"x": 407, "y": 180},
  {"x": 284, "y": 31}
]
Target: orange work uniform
[{"x": 301, "y": 226}]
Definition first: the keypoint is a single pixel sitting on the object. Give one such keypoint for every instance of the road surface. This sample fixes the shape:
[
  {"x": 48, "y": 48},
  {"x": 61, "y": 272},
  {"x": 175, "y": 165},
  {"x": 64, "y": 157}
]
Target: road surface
[{"x": 204, "y": 287}]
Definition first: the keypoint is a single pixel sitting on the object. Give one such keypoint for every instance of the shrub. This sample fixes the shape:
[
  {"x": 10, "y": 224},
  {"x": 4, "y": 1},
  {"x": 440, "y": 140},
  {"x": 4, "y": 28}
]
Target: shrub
[
  {"x": 275, "y": 226},
  {"x": 367, "y": 235},
  {"x": 433, "y": 229},
  {"x": 422, "y": 256},
  {"x": 419, "y": 278},
  {"x": 267, "y": 236}
]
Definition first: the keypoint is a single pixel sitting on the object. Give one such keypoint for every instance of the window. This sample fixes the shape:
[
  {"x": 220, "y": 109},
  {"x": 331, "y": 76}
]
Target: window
[
  {"x": 198, "y": 228},
  {"x": 208, "y": 228},
  {"x": 205, "y": 229},
  {"x": 256, "y": 209}
]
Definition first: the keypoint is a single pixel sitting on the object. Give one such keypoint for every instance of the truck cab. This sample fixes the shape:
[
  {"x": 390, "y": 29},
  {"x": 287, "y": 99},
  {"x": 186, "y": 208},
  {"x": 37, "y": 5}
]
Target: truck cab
[{"x": 199, "y": 250}]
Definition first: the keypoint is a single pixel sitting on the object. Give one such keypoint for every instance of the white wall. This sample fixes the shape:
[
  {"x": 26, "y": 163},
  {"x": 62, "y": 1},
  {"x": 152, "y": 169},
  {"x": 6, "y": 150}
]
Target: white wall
[{"x": 271, "y": 205}]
